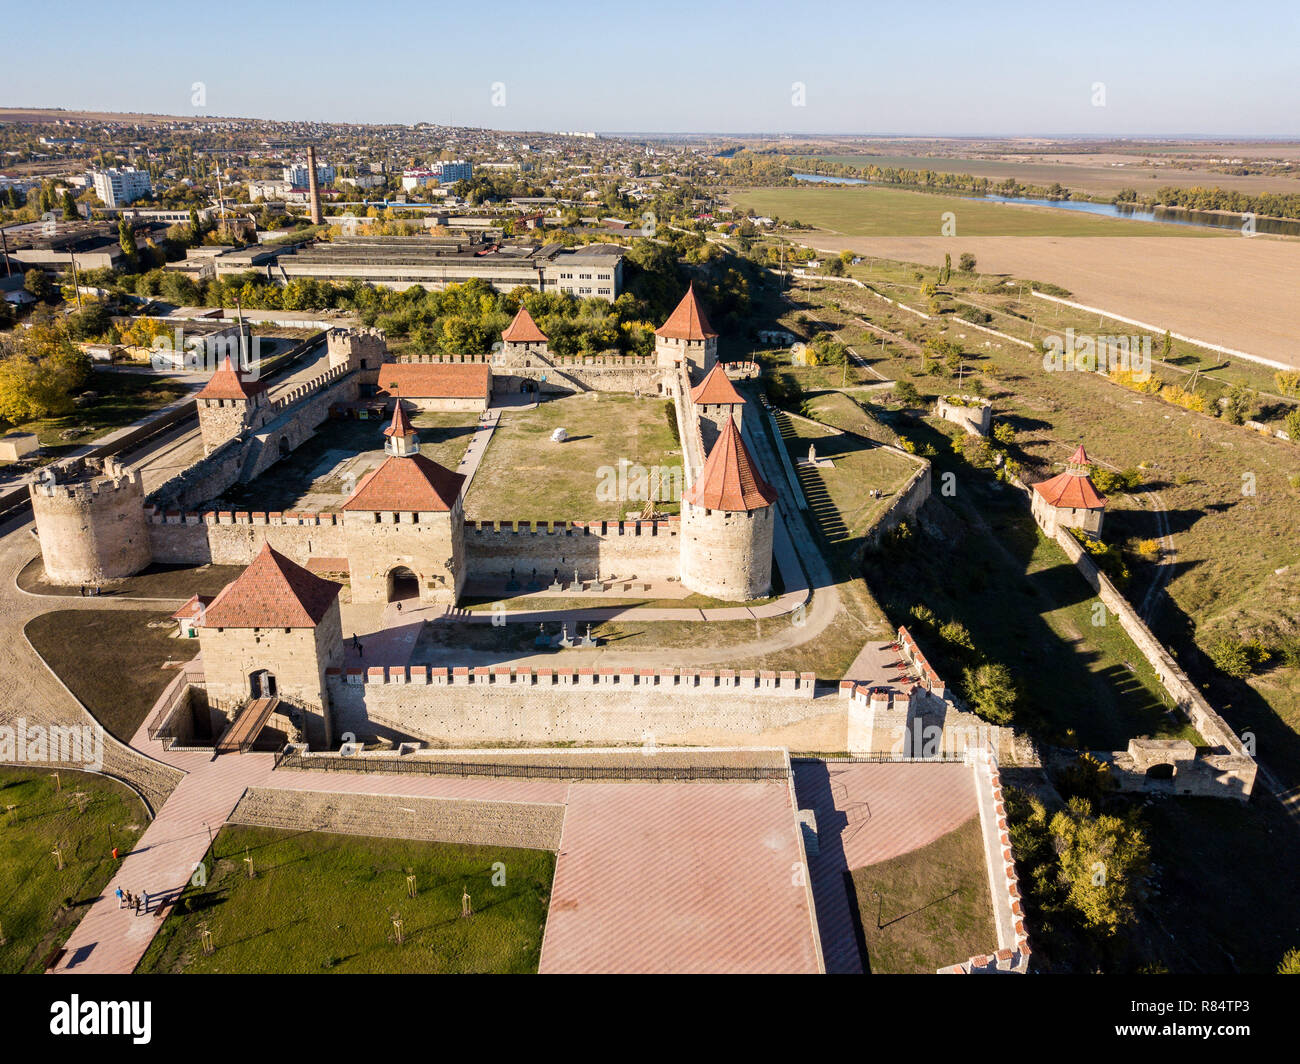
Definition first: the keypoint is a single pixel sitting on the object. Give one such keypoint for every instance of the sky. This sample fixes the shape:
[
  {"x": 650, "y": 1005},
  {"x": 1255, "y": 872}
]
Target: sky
[{"x": 1142, "y": 67}]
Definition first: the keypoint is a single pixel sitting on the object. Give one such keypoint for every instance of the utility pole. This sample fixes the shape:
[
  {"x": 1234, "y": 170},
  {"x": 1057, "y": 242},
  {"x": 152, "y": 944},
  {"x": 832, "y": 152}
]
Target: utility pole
[{"x": 75, "y": 286}]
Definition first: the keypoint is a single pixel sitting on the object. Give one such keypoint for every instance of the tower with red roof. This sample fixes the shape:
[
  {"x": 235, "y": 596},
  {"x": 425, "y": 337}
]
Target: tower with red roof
[
  {"x": 728, "y": 518},
  {"x": 523, "y": 338},
  {"x": 272, "y": 632},
  {"x": 230, "y": 404},
  {"x": 686, "y": 339},
  {"x": 1069, "y": 499},
  {"x": 404, "y": 525}
]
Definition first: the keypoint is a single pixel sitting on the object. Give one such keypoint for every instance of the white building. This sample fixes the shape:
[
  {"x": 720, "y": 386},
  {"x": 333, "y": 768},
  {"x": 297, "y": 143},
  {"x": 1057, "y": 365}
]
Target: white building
[
  {"x": 117, "y": 188},
  {"x": 296, "y": 174}
]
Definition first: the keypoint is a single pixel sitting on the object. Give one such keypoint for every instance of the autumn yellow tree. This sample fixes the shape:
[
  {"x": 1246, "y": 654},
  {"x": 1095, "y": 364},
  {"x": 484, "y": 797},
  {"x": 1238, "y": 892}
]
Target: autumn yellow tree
[{"x": 40, "y": 371}]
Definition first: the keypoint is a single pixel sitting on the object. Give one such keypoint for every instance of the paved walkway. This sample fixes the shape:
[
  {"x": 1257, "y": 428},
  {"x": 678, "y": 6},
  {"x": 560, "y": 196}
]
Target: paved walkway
[
  {"x": 478, "y": 446},
  {"x": 867, "y": 813}
]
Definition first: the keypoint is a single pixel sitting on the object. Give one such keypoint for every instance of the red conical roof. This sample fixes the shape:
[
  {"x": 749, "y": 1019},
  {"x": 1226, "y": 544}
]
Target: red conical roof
[
  {"x": 1072, "y": 489},
  {"x": 401, "y": 425},
  {"x": 523, "y": 330},
  {"x": 1080, "y": 457},
  {"x": 716, "y": 389},
  {"x": 687, "y": 322},
  {"x": 414, "y": 483},
  {"x": 227, "y": 383},
  {"x": 273, "y": 592},
  {"x": 729, "y": 480}
]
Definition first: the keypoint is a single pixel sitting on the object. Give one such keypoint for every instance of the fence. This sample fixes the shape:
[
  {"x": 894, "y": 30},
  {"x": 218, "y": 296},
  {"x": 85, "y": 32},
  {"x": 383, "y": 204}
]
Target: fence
[{"x": 290, "y": 758}]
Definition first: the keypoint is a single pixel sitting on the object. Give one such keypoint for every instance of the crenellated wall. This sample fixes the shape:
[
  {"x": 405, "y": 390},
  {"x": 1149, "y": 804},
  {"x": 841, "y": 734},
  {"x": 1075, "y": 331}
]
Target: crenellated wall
[
  {"x": 227, "y": 537},
  {"x": 646, "y": 550},
  {"x": 448, "y": 707}
]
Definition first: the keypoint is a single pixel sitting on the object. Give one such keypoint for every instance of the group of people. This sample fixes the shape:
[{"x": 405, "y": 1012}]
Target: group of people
[
  {"x": 132, "y": 901},
  {"x": 87, "y": 592}
]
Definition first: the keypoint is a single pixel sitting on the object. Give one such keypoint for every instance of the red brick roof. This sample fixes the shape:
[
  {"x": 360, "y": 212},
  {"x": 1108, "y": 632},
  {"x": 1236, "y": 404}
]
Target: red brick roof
[
  {"x": 192, "y": 609},
  {"x": 687, "y": 322},
  {"x": 1071, "y": 489},
  {"x": 273, "y": 592},
  {"x": 523, "y": 330},
  {"x": 414, "y": 483},
  {"x": 401, "y": 425},
  {"x": 436, "y": 380},
  {"x": 226, "y": 383},
  {"x": 729, "y": 480},
  {"x": 716, "y": 389}
]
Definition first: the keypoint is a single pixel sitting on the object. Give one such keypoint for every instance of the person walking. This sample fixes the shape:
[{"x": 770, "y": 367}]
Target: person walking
[
  {"x": 137, "y": 904},
  {"x": 120, "y": 897}
]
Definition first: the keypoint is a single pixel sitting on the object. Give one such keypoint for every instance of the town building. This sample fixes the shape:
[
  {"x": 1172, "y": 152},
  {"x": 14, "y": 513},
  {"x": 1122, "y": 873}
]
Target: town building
[{"x": 118, "y": 187}]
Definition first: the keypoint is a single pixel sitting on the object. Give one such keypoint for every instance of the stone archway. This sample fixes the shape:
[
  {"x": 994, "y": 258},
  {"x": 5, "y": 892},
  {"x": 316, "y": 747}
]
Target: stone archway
[
  {"x": 261, "y": 684},
  {"x": 402, "y": 584}
]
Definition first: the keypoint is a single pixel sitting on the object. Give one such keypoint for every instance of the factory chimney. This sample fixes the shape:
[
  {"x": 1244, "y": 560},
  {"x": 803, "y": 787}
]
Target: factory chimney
[{"x": 313, "y": 188}]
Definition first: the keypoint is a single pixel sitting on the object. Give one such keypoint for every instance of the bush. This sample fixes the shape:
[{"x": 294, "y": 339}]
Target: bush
[
  {"x": 991, "y": 692},
  {"x": 1292, "y": 422},
  {"x": 905, "y": 392},
  {"x": 1232, "y": 657},
  {"x": 1290, "y": 963},
  {"x": 966, "y": 262}
]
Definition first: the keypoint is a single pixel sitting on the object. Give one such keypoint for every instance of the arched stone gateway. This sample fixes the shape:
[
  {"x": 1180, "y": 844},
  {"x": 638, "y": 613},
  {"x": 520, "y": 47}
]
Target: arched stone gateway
[
  {"x": 402, "y": 584},
  {"x": 261, "y": 684}
]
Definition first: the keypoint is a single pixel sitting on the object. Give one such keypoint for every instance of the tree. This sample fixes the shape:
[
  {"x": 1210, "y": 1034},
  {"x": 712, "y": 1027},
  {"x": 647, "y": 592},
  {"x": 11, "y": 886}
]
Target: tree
[
  {"x": 1239, "y": 404},
  {"x": 905, "y": 392},
  {"x": 1103, "y": 862},
  {"x": 37, "y": 285},
  {"x": 196, "y": 227},
  {"x": 946, "y": 273},
  {"x": 70, "y": 212},
  {"x": 39, "y": 374},
  {"x": 126, "y": 239},
  {"x": 835, "y": 267},
  {"x": 1292, "y": 422},
  {"x": 991, "y": 691},
  {"x": 966, "y": 262},
  {"x": 90, "y": 323}
]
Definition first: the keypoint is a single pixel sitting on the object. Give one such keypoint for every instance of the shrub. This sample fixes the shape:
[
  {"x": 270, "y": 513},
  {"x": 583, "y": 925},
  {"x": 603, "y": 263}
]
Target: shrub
[
  {"x": 1148, "y": 549},
  {"x": 1288, "y": 382},
  {"x": 905, "y": 392},
  {"x": 1292, "y": 422},
  {"x": 1290, "y": 963},
  {"x": 966, "y": 262},
  {"x": 955, "y": 634},
  {"x": 991, "y": 692}
]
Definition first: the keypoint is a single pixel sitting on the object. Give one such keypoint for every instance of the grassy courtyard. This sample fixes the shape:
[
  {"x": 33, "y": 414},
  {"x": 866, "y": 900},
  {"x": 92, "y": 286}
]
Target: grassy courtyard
[
  {"x": 39, "y": 904},
  {"x": 112, "y": 660},
  {"x": 318, "y": 474},
  {"x": 325, "y": 903},
  {"x": 929, "y": 908},
  {"x": 526, "y": 477}
]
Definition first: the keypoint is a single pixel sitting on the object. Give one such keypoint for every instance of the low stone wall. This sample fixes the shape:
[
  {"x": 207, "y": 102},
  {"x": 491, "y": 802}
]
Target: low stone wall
[
  {"x": 501, "y": 705},
  {"x": 519, "y": 825},
  {"x": 1205, "y": 720},
  {"x": 904, "y": 505},
  {"x": 1013, "y": 950},
  {"x": 975, "y": 419}
]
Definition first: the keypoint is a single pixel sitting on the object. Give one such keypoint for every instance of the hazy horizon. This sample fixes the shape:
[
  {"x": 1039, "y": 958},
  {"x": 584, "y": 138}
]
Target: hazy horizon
[{"x": 823, "y": 69}]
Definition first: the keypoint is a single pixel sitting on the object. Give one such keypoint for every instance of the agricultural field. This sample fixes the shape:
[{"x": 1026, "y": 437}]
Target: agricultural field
[
  {"x": 860, "y": 211},
  {"x": 325, "y": 903},
  {"x": 524, "y": 476}
]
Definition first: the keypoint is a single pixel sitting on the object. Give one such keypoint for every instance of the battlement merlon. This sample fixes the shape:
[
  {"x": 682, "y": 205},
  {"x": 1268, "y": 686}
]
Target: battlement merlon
[
  {"x": 84, "y": 478},
  {"x": 356, "y": 347}
]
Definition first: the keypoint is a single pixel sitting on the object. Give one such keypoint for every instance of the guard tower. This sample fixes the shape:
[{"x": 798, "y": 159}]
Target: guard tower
[{"x": 687, "y": 340}]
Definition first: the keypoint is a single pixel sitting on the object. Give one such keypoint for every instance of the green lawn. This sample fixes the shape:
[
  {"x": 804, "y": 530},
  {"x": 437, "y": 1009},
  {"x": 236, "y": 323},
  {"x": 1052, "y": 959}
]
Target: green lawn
[
  {"x": 875, "y": 211},
  {"x": 39, "y": 904},
  {"x": 324, "y": 903},
  {"x": 111, "y": 660},
  {"x": 929, "y": 908},
  {"x": 526, "y": 477}
]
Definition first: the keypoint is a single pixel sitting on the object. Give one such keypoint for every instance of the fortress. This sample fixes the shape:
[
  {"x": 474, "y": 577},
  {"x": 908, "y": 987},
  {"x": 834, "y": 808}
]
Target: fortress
[{"x": 406, "y": 518}]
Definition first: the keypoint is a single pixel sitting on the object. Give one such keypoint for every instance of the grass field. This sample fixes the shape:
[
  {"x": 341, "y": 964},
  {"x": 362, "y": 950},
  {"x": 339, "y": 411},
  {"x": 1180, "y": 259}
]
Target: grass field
[
  {"x": 316, "y": 475},
  {"x": 324, "y": 903},
  {"x": 39, "y": 904},
  {"x": 526, "y": 477},
  {"x": 860, "y": 211},
  {"x": 157, "y": 581},
  {"x": 929, "y": 908},
  {"x": 111, "y": 660}
]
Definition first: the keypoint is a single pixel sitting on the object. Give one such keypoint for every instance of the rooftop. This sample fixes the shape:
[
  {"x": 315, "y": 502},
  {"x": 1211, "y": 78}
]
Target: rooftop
[
  {"x": 688, "y": 321},
  {"x": 273, "y": 592},
  {"x": 435, "y": 380},
  {"x": 414, "y": 483},
  {"x": 729, "y": 479}
]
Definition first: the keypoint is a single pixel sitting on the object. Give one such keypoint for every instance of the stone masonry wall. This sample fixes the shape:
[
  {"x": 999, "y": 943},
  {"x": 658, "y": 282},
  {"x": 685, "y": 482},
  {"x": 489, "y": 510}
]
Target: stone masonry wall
[
  {"x": 235, "y": 538},
  {"x": 646, "y": 550},
  {"x": 499, "y": 705},
  {"x": 518, "y": 825}
]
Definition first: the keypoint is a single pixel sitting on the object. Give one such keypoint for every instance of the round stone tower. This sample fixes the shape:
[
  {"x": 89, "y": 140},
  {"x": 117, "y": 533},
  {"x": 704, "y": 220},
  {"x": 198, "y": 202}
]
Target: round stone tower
[
  {"x": 728, "y": 517},
  {"x": 91, "y": 521}
]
